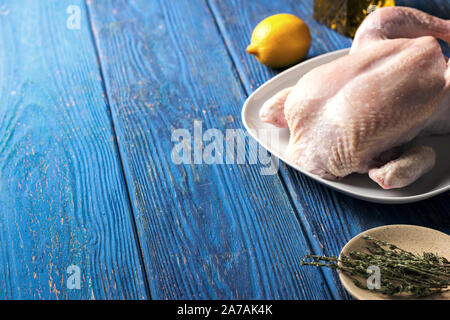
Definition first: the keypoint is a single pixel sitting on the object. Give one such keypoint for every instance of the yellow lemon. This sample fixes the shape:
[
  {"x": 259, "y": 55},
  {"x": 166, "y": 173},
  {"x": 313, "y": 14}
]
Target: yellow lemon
[{"x": 280, "y": 40}]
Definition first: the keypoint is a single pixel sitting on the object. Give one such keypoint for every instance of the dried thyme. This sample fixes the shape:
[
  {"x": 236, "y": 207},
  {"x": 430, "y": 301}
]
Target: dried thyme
[{"x": 401, "y": 271}]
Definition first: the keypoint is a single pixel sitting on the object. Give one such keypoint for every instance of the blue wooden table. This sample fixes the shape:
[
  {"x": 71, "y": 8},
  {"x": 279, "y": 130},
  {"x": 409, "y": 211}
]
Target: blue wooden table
[{"x": 91, "y": 93}]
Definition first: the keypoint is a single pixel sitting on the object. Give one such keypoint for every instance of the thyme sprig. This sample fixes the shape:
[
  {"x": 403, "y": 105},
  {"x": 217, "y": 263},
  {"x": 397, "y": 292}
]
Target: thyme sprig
[{"x": 401, "y": 271}]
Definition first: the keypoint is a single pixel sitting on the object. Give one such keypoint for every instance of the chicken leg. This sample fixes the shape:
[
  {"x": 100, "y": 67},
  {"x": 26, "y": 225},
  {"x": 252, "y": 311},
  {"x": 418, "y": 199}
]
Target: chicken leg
[
  {"x": 406, "y": 169},
  {"x": 399, "y": 22}
]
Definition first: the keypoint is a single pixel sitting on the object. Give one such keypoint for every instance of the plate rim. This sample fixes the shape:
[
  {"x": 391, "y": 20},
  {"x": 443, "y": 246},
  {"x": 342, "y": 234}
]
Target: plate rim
[{"x": 369, "y": 198}]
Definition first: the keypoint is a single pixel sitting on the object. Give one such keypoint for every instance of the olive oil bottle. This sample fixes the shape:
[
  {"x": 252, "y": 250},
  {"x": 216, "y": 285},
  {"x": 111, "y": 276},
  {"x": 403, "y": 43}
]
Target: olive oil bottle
[{"x": 345, "y": 16}]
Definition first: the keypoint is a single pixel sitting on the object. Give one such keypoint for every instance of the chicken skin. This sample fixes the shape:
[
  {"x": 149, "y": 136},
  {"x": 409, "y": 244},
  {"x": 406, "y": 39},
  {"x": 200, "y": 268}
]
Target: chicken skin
[{"x": 351, "y": 115}]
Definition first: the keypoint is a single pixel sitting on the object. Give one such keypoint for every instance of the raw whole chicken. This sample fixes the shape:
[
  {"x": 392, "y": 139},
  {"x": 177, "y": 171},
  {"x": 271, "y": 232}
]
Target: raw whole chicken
[{"x": 352, "y": 114}]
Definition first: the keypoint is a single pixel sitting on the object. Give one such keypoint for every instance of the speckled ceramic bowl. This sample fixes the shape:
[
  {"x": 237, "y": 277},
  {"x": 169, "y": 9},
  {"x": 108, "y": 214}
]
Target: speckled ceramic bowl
[{"x": 415, "y": 239}]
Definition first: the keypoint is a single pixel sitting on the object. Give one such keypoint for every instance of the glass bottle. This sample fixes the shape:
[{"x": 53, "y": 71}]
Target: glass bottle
[{"x": 345, "y": 16}]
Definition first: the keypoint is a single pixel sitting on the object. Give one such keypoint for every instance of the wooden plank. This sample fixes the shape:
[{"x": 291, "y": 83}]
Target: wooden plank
[
  {"x": 63, "y": 198},
  {"x": 329, "y": 218},
  {"x": 438, "y": 8},
  {"x": 207, "y": 231}
]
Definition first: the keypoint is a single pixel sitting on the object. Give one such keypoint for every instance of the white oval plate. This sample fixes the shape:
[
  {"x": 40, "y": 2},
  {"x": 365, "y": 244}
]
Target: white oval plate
[{"x": 356, "y": 185}]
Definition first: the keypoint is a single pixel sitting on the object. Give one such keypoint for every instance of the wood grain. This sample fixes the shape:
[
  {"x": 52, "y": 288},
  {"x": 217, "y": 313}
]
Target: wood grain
[
  {"x": 207, "y": 231},
  {"x": 329, "y": 218},
  {"x": 63, "y": 198}
]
